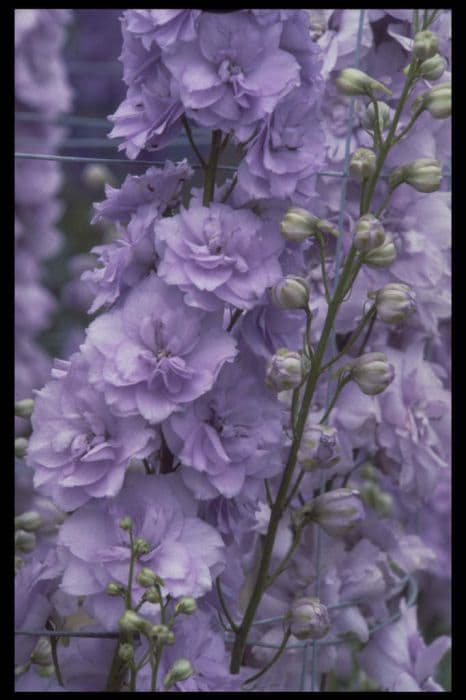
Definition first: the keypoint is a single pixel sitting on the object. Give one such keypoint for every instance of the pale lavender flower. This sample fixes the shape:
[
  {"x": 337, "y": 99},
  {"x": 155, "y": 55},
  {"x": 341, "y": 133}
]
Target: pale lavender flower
[
  {"x": 218, "y": 254},
  {"x": 163, "y": 27},
  {"x": 398, "y": 658},
  {"x": 78, "y": 449},
  {"x": 153, "y": 353},
  {"x": 228, "y": 440}
]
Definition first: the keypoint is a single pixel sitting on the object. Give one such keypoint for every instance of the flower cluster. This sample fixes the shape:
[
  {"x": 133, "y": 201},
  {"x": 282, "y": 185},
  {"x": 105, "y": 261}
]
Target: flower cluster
[{"x": 256, "y": 423}]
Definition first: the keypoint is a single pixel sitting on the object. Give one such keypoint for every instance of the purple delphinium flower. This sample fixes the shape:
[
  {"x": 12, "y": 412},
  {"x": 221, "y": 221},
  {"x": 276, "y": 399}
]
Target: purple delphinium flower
[
  {"x": 140, "y": 201},
  {"x": 229, "y": 439},
  {"x": 34, "y": 582},
  {"x": 184, "y": 551},
  {"x": 233, "y": 73},
  {"x": 218, "y": 254},
  {"x": 78, "y": 449},
  {"x": 147, "y": 195},
  {"x": 286, "y": 153},
  {"x": 153, "y": 353},
  {"x": 163, "y": 27},
  {"x": 398, "y": 658}
]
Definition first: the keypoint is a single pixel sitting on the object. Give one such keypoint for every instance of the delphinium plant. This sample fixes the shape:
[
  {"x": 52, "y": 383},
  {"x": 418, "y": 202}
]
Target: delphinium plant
[{"x": 251, "y": 427}]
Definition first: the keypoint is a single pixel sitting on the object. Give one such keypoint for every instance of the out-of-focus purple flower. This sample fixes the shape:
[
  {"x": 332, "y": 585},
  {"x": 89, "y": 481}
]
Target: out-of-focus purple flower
[
  {"x": 184, "y": 551},
  {"x": 154, "y": 353},
  {"x": 218, "y": 254},
  {"x": 34, "y": 582},
  {"x": 234, "y": 73},
  {"x": 398, "y": 658},
  {"x": 162, "y": 27},
  {"x": 78, "y": 449},
  {"x": 230, "y": 438},
  {"x": 286, "y": 153}
]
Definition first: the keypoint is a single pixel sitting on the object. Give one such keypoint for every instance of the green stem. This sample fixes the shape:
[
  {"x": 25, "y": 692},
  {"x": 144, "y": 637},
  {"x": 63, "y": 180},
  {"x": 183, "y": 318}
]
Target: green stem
[
  {"x": 295, "y": 488},
  {"x": 268, "y": 493},
  {"x": 284, "y": 563},
  {"x": 368, "y": 333},
  {"x": 294, "y": 408},
  {"x": 133, "y": 676},
  {"x": 413, "y": 119},
  {"x": 189, "y": 134},
  {"x": 385, "y": 147},
  {"x": 224, "y": 605},
  {"x": 386, "y": 200},
  {"x": 53, "y": 645},
  {"x": 354, "y": 336},
  {"x": 230, "y": 189},
  {"x": 211, "y": 169},
  {"x": 321, "y": 242},
  {"x": 337, "y": 393},
  {"x": 277, "y": 654},
  {"x": 237, "y": 313},
  {"x": 155, "y": 668},
  {"x": 128, "y": 596},
  {"x": 280, "y": 501},
  {"x": 377, "y": 130},
  {"x": 307, "y": 335}
]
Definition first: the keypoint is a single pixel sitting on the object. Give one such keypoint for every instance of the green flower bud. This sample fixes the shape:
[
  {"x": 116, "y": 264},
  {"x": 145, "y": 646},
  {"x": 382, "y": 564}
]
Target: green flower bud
[
  {"x": 161, "y": 632},
  {"x": 433, "y": 68},
  {"x": 21, "y": 447},
  {"x": 24, "y": 408},
  {"x": 309, "y": 619},
  {"x": 126, "y": 523},
  {"x": 372, "y": 372},
  {"x": 19, "y": 563},
  {"x": 353, "y": 81},
  {"x": 25, "y": 541},
  {"x": 425, "y": 45},
  {"x": 394, "y": 302},
  {"x": 424, "y": 174},
  {"x": 363, "y": 164},
  {"x": 132, "y": 622},
  {"x": 297, "y": 225},
  {"x": 180, "y": 671},
  {"x": 115, "y": 589},
  {"x": 369, "y": 233},
  {"x": 29, "y": 521},
  {"x": 152, "y": 595},
  {"x": 379, "y": 500},
  {"x": 368, "y": 120},
  {"x": 291, "y": 292},
  {"x": 125, "y": 652},
  {"x": 45, "y": 671},
  {"x": 383, "y": 255},
  {"x": 96, "y": 175},
  {"x": 141, "y": 546},
  {"x": 170, "y": 638},
  {"x": 284, "y": 370},
  {"x": 438, "y": 101},
  {"x": 146, "y": 578},
  {"x": 42, "y": 653},
  {"x": 185, "y": 606}
]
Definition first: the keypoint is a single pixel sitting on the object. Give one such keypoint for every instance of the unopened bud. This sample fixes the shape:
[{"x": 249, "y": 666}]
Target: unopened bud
[
  {"x": 309, "y": 619},
  {"x": 115, "y": 589},
  {"x": 24, "y": 408},
  {"x": 291, "y": 293},
  {"x": 336, "y": 511},
  {"x": 438, "y": 101},
  {"x": 297, "y": 225},
  {"x": 29, "y": 521},
  {"x": 159, "y": 631},
  {"x": 433, "y": 68},
  {"x": 394, "y": 302},
  {"x": 353, "y": 81},
  {"x": 25, "y": 541},
  {"x": 383, "y": 255},
  {"x": 372, "y": 372},
  {"x": 125, "y": 652},
  {"x": 42, "y": 653},
  {"x": 132, "y": 622},
  {"x": 152, "y": 595},
  {"x": 424, "y": 174},
  {"x": 96, "y": 175},
  {"x": 146, "y": 578},
  {"x": 425, "y": 45},
  {"x": 170, "y": 638},
  {"x": 126, "y": 523},
  {"x": 363, "y": 164},
  {"x": 369, "y": 233},
  {"x": 320, "y": 448},
  {"x": 45, "y": 671},
  {"x": 21, "y": 447},
  {"x": 368, "y": 119},
  {"x": 284, "y": 370},
  {"x": 185, "y": 606},
  {"x": 180, "y": 671},
  {"x": 379, "y": 500},
  {"x": 141, "y": 547}
]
